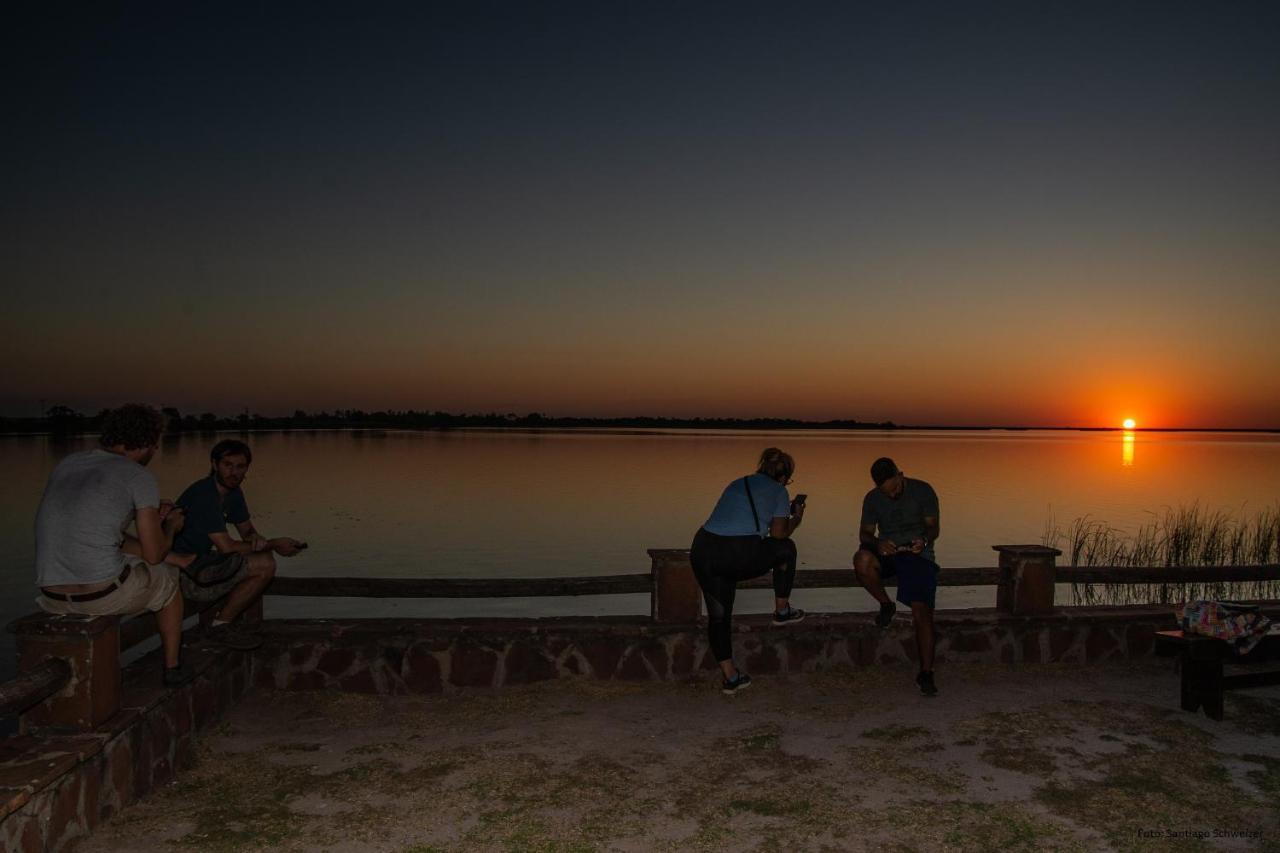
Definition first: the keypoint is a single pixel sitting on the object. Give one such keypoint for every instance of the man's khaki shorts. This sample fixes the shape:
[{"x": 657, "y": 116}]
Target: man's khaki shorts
[
  {"x": 148, "y": 587},
  {"x": 218, "y": 575}
]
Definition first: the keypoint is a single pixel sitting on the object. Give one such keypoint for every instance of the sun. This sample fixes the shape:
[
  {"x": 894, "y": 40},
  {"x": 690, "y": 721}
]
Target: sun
[{"x": 1130, "y": 423}]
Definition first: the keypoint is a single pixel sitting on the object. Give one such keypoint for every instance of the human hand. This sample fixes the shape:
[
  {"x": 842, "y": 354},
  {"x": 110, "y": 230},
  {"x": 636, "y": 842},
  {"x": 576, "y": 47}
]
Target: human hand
[
  {"x": 917, "y": 546},
  {"x": 259, "y": 543},
  {"x": 887, "y": 548},
  {"x": 166, "y": 507},
  {"x": 173, "y": 519},
  {"x": 286, "y": 547}
]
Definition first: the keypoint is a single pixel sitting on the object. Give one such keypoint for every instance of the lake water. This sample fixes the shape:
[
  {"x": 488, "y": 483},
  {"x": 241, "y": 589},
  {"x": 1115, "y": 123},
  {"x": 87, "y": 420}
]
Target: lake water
[{"x": 536, "y": 504}]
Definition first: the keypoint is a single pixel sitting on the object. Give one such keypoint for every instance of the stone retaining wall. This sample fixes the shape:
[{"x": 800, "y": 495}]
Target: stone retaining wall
[
  {"x": 55, "y": 788},
  {"x": 429, "y": 656}
]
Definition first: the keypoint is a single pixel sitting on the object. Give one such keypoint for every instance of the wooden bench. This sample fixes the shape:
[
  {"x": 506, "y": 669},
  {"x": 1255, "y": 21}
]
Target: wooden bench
[{"x": 1203, "y": 661}]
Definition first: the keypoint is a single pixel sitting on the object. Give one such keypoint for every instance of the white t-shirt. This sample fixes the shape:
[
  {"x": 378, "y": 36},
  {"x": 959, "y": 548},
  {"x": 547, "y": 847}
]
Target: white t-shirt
[{"x": 88, "y": 502}]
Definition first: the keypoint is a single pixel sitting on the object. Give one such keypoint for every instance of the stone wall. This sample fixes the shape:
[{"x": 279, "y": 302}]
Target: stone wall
[
  {"x": 55, "y": 788},
  {"x": 429, "y": 656}
]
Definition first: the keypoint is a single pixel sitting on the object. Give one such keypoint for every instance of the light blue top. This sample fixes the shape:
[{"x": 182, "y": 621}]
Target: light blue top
[{"x": 732, "y": 515}]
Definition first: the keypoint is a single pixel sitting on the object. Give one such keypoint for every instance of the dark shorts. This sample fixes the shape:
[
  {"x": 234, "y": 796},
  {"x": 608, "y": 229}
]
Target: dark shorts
[
  {"x": 211, "y": 576},
  {"x": 917, "y": 576}
]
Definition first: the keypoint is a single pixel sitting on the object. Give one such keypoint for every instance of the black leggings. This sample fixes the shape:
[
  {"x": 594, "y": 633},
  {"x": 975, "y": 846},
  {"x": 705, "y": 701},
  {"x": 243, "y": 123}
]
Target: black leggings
[{"x": 719, "y": 562}]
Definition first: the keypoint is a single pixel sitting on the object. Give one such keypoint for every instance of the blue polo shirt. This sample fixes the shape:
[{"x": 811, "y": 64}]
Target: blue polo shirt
[
  {"x": 208, "y": 511},
  {"x": 732, "y": 515}
]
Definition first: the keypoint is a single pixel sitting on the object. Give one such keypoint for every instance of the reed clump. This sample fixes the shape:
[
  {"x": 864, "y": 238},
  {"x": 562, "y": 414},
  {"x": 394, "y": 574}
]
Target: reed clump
[{"x": 1186, "y": 536}]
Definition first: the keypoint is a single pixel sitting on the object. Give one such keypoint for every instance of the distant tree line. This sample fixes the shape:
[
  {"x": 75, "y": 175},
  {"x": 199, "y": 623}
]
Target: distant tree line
[{"x": 62, "y": 420}]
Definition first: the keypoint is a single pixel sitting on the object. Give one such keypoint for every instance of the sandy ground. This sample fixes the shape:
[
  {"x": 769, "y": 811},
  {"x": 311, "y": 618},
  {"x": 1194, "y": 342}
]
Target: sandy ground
[{"x": 1039, "y": 757}]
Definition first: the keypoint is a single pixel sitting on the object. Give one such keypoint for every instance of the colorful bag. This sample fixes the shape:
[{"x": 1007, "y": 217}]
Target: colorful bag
[{"x": 1241, "y": 625}]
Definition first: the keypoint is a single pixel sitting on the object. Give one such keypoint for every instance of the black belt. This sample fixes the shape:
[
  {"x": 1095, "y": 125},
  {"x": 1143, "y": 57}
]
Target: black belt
[{"x": 90, "y": 596}]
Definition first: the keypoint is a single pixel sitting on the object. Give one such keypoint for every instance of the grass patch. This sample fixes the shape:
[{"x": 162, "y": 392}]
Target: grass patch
[
  {"x": 1139, "y": 793},
  {"x": 897, "y": 734},
  {"x": 298, "y": 747},
  {"x": 1268, "y": 778},
  {"x": 917, "y": 825},
  {"x": 767, "y": 739},
  {"x": 784, "y": 806},
  {"x": 1254, "y": 714},
  {"x": 1020, "y": 758}
]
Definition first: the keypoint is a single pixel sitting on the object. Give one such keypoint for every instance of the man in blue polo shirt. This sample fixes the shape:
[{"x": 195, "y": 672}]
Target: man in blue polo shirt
[
  {"x": 213, "y": 563},
  {"x": 896, "y": 535}
]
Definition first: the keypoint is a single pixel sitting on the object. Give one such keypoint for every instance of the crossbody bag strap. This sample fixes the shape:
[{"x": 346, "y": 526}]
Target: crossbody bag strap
[{"x": 754, "y": 515}]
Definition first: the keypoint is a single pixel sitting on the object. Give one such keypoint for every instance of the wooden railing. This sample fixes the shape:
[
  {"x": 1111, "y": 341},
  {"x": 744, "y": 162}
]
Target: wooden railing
[
  {"x": 365, "y": 587},
  {"x": 35, "y": 685},
  {"x": 51, "y": 649}
]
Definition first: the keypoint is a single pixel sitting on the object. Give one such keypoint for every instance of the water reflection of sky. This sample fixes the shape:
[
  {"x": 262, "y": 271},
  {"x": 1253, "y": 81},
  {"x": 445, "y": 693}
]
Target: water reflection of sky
[{"x": 547, "y": 504}]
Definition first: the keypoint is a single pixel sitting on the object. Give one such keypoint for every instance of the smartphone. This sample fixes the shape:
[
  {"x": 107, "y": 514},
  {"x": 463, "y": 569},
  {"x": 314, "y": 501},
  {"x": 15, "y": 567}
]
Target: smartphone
[
  {"x": 801, "y": 498},
  {"x": 797, "y": 501},
  {"x": 302, "y": 546}
]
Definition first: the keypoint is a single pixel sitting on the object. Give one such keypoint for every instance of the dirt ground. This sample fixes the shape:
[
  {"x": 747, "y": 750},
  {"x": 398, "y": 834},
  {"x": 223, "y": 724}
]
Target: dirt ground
[{"x": 1039, "y": 757}]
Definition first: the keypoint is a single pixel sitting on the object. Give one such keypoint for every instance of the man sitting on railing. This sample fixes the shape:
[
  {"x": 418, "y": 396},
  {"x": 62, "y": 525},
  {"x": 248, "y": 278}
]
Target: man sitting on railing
[
  {"x": 898, "y": 529},
  {"x": 213, "y": 564},
  {"x": 85, "y": 563}
]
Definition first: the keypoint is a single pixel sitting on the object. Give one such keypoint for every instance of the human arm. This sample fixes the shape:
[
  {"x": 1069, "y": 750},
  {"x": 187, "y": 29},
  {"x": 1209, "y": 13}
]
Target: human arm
[
  {"x": 283, "y": 545},
  {"x": 867, "y": 539},
  {"x": 781, "y": 527},
  {"x": 155, "y": 537}
]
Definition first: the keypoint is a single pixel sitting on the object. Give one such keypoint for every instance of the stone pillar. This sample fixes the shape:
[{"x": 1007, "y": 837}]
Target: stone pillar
[
  {"x": 91, "y": 646},
  {"x": 676, "y": 595},
  {"x": 1027, "y": 577}
]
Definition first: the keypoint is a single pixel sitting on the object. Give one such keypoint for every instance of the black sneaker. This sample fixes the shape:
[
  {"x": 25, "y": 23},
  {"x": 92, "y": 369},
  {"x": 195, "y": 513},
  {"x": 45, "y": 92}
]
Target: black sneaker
[
  {"x": 790, "y": 616},
  {"x": 925, "y": 682},
  {"x": 741, "y": 682},
  {"x": 233, "y": 636},
  {"x": 176, "y": 676},
  {"x": 885, "y": 616}
]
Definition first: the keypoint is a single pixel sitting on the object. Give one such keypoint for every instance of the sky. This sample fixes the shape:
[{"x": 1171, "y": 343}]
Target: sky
[{"x": 1038, "y": 214}]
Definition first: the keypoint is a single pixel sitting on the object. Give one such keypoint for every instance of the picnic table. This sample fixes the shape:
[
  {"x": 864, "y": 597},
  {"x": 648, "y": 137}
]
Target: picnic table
[{"x": 1203, "y": 661}]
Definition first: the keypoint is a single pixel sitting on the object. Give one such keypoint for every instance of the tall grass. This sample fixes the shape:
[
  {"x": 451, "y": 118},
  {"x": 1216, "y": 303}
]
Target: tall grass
[{"x": 1187, "y": 536}]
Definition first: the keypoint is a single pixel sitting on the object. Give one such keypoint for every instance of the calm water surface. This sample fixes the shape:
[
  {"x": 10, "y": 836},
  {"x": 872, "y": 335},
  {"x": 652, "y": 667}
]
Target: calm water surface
[{"x": 531, "y": 504}]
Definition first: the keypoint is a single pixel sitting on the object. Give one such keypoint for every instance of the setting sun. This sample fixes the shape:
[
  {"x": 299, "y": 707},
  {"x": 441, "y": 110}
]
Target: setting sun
[{"x": 1130, "y": 423}]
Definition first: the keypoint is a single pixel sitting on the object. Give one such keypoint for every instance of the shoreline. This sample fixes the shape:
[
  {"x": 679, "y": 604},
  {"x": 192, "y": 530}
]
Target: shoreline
[{"x": 665, "y": 430}]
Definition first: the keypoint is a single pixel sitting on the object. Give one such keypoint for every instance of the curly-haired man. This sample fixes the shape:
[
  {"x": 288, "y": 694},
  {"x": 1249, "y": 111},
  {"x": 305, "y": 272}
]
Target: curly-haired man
[{"x": 86, "y": 562}]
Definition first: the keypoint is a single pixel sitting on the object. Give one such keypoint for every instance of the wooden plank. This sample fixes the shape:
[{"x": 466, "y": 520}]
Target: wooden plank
[
  {"x": 1167, "y": 574},
  {"x": 20, "y": 693},
  {"x": 459, "y": 587},
  {"x": 840, "y": 578},
  {"x": 357, "y": 587}
]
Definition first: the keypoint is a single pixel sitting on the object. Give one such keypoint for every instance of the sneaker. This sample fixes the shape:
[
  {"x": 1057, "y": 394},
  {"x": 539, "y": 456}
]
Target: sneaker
[
  {"x": 790, "y": 616},
  {"x": 925, "y": 682},
  {"x": 176, "y": 676},
  {"x": 741, "y": 682},
  {"x": 233, "y": 636},
  {"x": 885, "y": 616}
]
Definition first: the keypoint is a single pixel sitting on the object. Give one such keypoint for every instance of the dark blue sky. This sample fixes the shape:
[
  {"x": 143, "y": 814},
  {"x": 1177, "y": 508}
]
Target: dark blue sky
[{"x": 594, "y": 209}]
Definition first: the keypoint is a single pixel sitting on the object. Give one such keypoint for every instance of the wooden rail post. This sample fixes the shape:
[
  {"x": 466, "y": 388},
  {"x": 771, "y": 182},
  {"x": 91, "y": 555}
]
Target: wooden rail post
[
  {"x": 91, "y": 645},
  {"x": 1027, "y": 577},
  {"x": 676, "y": 595}
]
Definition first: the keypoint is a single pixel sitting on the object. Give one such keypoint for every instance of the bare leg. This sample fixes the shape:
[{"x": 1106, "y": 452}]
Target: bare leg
[
  {"x": 922, "y": 616},
  {"x": 730, "y": 671},
  {"x": 169, "y": 621},
  {"x": 261, "y": 569},
  {"x": 866, "y": 568}
]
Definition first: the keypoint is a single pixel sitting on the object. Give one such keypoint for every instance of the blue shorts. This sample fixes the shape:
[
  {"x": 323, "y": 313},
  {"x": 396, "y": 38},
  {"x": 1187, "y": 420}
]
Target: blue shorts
[{"x": 917, "y": 577}]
